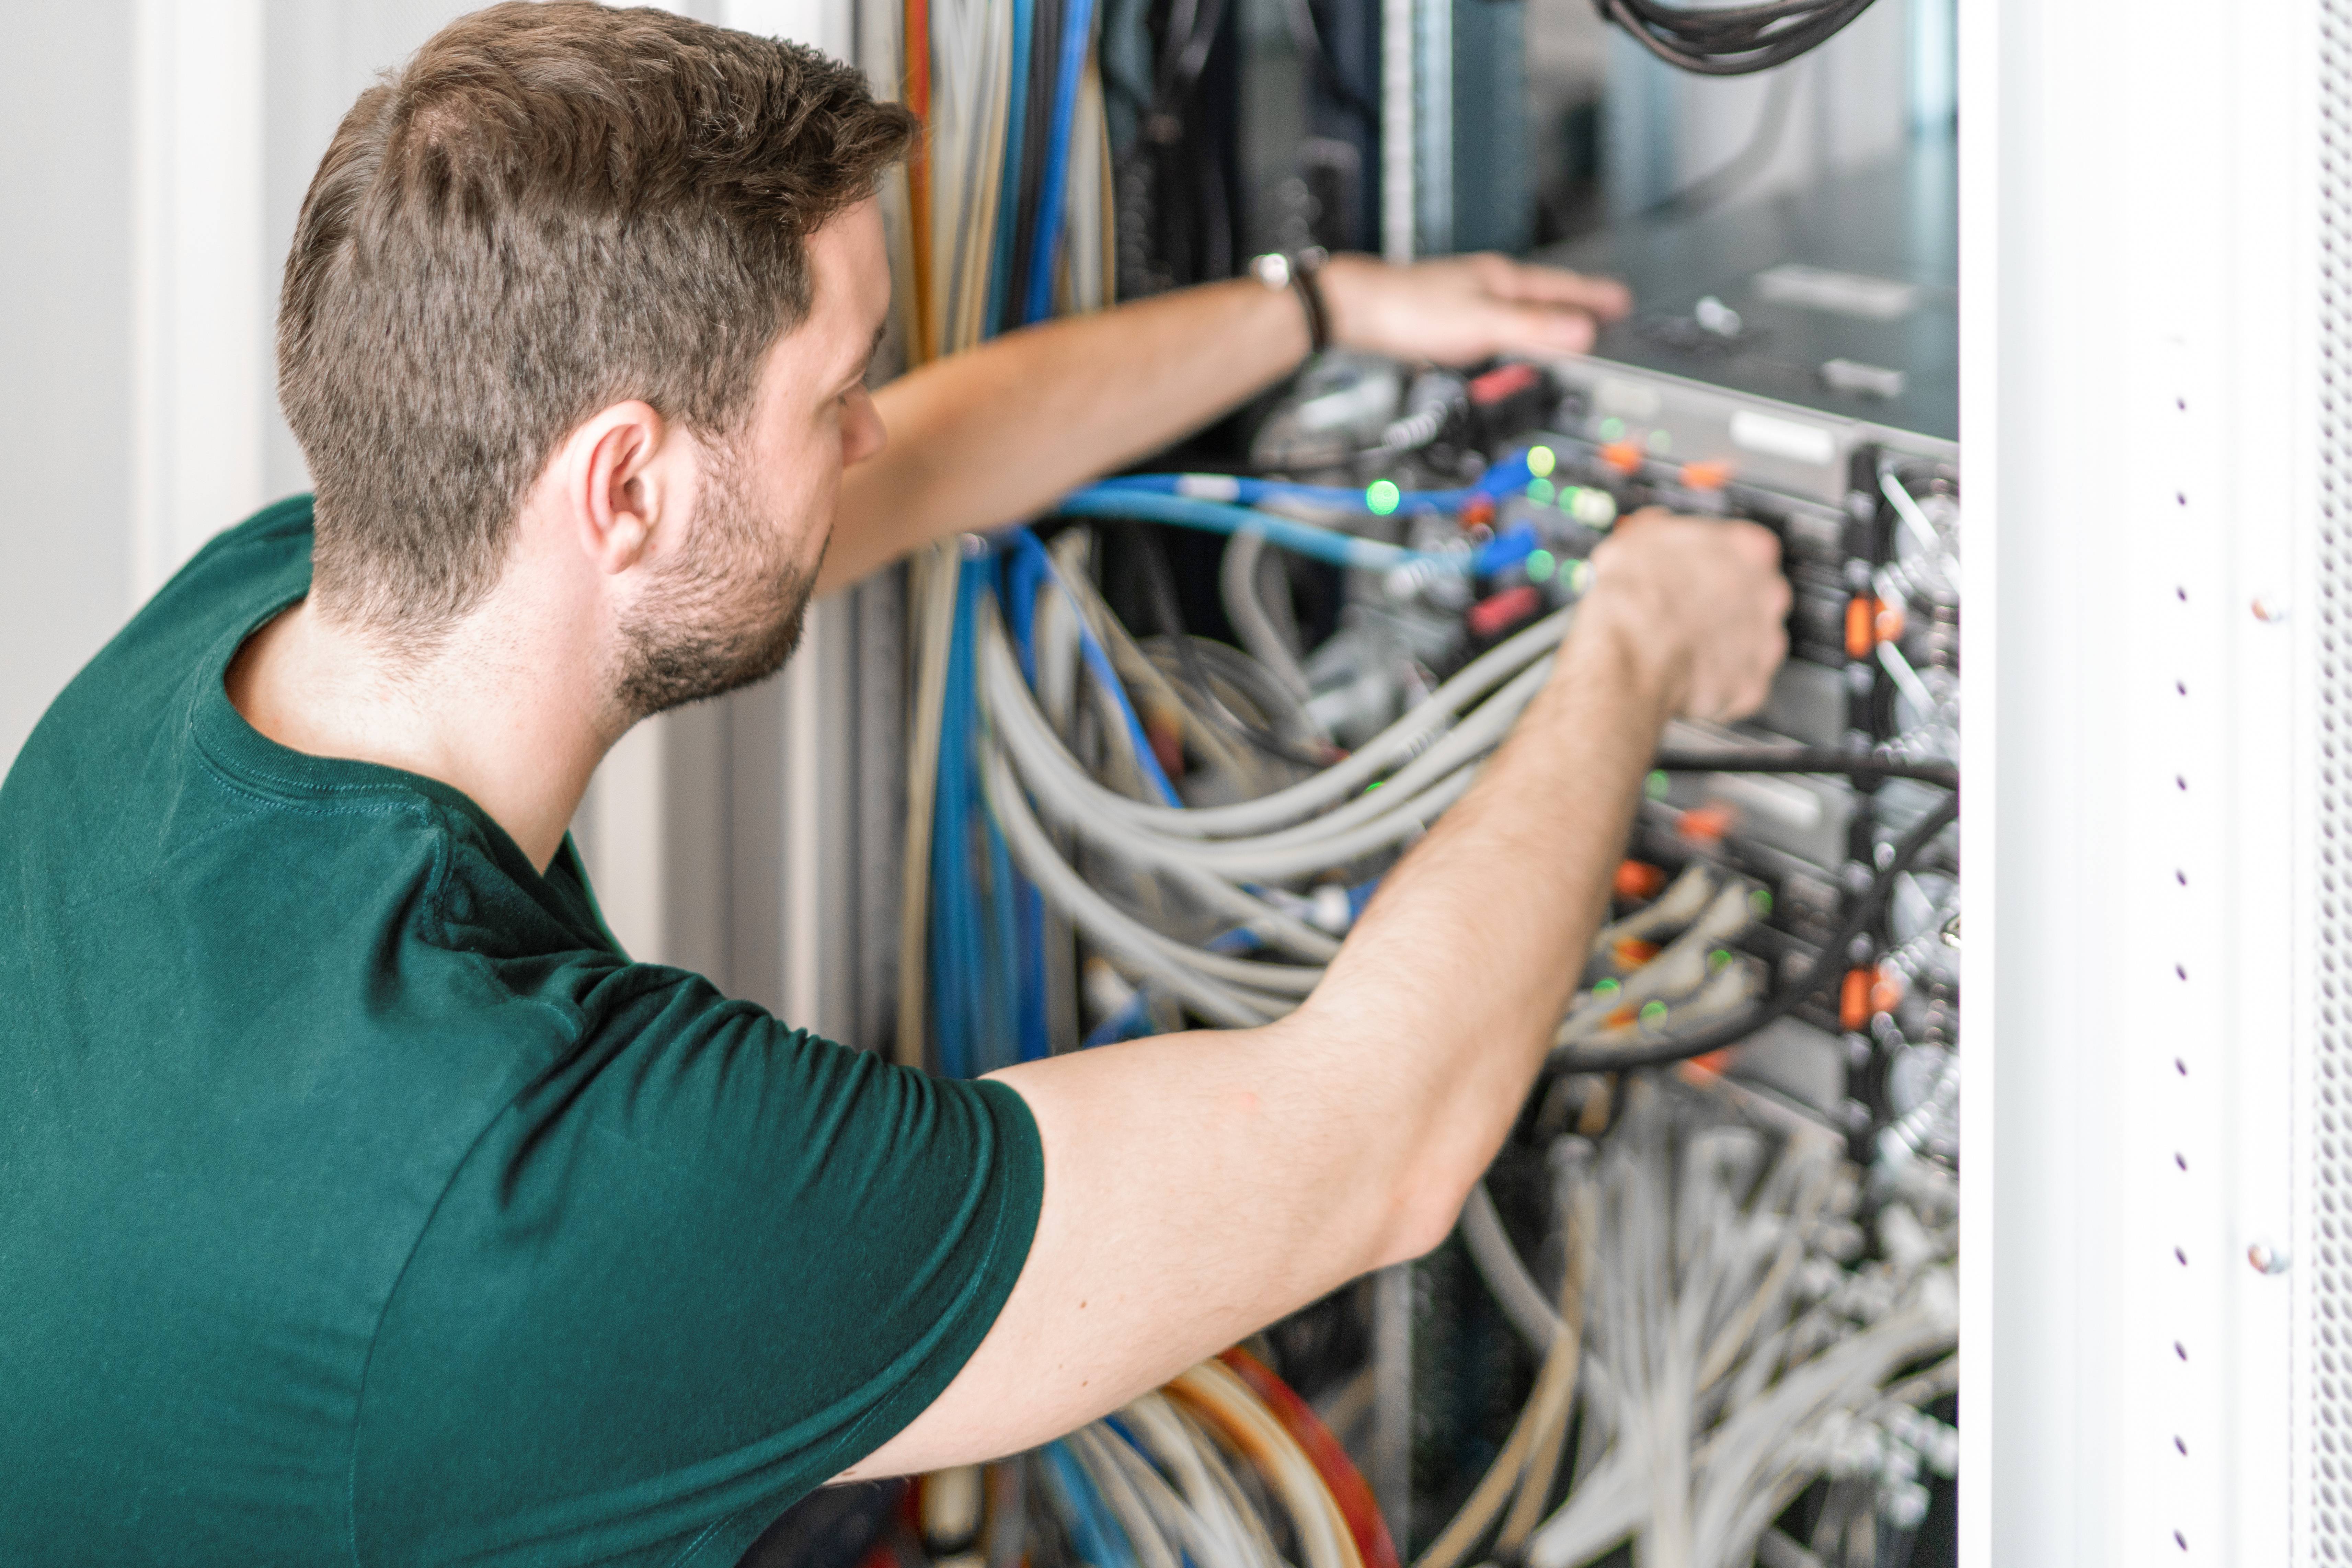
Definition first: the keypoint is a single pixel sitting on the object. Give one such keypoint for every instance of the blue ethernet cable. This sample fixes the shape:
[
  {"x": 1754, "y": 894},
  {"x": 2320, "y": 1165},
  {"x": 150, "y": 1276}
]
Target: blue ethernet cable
[
  {"x": 1501, "y": 479},
  {"x": 1001, "y": 282},
  {"x": 956, "y": 960},
  {"x": 1094, "y": 1531},
  {"x": 1032, "y": 1032},
  {"x": 1506, "y": 549},
  {"x": 1053, "y": 201},
  {"x": 1098, "y": 665}
]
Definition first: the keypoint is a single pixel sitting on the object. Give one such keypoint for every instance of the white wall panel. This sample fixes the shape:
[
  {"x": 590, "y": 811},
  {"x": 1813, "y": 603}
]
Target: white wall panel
[
  {"x": 65, "y": 341},
  {"x": 829, "y": 25},
  {"x": 2135, "y": 285},
  {"x": 200, "y": 299}
]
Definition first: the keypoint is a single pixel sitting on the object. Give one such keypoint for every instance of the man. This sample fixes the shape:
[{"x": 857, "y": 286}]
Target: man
[{"x": 359, "y": 1201}]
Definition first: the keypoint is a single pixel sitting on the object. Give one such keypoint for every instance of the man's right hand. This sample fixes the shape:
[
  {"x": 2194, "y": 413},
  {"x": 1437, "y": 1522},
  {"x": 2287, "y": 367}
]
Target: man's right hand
[{"x": 1695, "y": 603}]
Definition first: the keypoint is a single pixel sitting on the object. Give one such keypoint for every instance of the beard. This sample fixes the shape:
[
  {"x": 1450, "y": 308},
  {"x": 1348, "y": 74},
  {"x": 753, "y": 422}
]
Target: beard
[{"x": 723, "y": 613}]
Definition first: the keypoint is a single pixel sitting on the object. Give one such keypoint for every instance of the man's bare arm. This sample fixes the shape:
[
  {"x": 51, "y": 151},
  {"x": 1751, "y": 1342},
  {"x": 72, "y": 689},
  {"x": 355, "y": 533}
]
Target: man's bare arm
[
  {"x": 982, "y": 439},
  {"x": 1199, "y": 1185}
]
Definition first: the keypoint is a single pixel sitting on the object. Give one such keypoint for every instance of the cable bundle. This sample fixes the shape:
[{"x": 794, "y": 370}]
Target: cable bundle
[
  {"x": 1224, "y": 1468},
  {"x": 1713, "y": 1345},
  {"x": 1730, "y": 40},
  {"x": 1009, "y": 222},
  {"x": 1742, "y": 1337},
  {"x": 1201, "y": 882},
  {"x": 1224, "y": 863}
]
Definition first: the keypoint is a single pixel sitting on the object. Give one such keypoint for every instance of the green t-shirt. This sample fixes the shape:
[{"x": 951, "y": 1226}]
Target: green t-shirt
[{"x": 360, "y": 1202}]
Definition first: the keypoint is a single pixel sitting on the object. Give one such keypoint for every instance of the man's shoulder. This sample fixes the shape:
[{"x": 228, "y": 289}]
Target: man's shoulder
[
  {"x": 267, "y": 551},
  {"x": 266, "y": 557}
]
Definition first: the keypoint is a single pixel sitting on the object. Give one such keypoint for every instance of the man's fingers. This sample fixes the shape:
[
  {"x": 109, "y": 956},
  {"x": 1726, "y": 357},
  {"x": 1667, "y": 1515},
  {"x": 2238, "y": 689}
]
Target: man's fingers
[
  {"x": 1635, "y": 519},
  {"x": 1603, "y": 297},
  {"x": 1485, "y": 325},
  {"x": 1760, "y": 543},
  {"x": 1569, "y": 331}
]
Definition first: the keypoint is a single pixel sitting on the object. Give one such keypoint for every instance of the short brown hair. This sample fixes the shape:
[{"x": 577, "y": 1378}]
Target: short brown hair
[{"x": 549, "y": 209}]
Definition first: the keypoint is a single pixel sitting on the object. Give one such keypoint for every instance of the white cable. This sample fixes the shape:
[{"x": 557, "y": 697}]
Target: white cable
[
  {"x": 1013, "y": 813},
  {"x": 1233, "y": 1541},
  {"x": 1906, "y": 508},
  {"x": 1270, "y": 925},
  {"x": 1718, "y": 1383},
  {"x": 1679, "y": 970},
  {"x": 1400, "y": 741},
  {"x": 931, "y": 587},
  {"x": 1237, "y": 575},
  {"x": 1907, "y": 679},
  {"x": 1374, "y": 821},
  {"x": 1090, "y": 1446},
  {"x": 1174, "y": 964}
]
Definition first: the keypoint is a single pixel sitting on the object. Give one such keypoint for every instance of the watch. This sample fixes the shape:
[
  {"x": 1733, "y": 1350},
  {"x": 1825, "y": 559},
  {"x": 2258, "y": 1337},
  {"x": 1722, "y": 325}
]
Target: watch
[{"x": 1296, "y": 270}]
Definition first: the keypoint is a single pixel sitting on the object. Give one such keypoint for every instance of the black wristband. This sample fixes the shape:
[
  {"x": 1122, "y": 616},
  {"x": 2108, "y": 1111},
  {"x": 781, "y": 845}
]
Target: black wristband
[
  {"x": 1304, "y": 267},
  {"x": 1296, "y": 270}
]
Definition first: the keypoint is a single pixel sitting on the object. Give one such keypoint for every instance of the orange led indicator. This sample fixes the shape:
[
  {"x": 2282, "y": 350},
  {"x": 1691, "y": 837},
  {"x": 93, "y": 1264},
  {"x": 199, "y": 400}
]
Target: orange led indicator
[
  {"x": 1625, "y": 457},
  {"x": 1854, "y": 998},
  {"x": 1860, "y": 628},
  {"x": 1632, "y": 951},
  {"x": 1706, "y": 824},
  {"x": 1639, "y": 880},
  {"x": 1706, "y": 475}
]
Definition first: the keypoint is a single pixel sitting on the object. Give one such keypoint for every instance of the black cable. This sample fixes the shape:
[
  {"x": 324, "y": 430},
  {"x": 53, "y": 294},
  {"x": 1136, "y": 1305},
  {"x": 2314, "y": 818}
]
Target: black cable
[
  {"x": 1831, "y": 961},
  {"x": 1191, "y": 226},
  {"x": 1730, "y": 41},
  {"x": 1182, "y": 65},
  {"x": 1943, "y": 775}
]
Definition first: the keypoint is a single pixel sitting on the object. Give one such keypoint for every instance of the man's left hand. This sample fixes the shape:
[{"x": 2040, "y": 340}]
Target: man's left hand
[{"x": 1459, "y": 310}]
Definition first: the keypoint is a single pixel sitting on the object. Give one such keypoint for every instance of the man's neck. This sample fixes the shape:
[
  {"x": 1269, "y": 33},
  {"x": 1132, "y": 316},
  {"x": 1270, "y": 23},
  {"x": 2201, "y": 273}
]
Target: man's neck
[{"x": 514, "y": 724}]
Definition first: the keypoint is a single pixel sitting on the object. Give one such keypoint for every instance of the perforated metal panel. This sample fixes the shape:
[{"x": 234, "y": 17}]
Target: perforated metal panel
[{"x": 2328, "y": 1169}]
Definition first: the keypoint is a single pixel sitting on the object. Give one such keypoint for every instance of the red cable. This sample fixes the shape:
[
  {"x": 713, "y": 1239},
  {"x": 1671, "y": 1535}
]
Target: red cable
[{"x": 1346, "y": 1483}]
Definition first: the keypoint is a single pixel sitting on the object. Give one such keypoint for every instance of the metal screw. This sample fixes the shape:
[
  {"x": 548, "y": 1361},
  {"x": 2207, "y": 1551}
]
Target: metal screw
[{"x": 2267, "y": 1259}]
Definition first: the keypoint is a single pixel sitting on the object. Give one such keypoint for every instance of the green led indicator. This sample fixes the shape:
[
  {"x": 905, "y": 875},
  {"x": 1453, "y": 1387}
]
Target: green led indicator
[
  {"x": 1540, "y": 461},
  {"x": 1759, "y": 902},
  {"x": 1373, "y": 785},
  {"x": 1661, "y": 443},
  {"x": 1381, "y": 496},
  {"x": 1652, "y": 1014},
  {"x": 1611, "y": 429},
  {"x": 1541, "y": 565},
  {"x": 1655, "y": 787},
  {"x": 1540, "y": 491},
  {"x": 1580, "y": 575},
  {"x": 1605, "y": 989},
  {"x": 1717, "y": 959}
]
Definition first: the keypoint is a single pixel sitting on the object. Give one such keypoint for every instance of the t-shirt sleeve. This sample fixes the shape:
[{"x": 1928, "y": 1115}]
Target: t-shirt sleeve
[{"x": 702, "y": 1264}]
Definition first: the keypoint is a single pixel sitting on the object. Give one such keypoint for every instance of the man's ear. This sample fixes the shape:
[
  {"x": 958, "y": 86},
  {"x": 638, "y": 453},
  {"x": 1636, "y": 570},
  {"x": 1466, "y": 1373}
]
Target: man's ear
[{"x": 615, "y": 488}]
